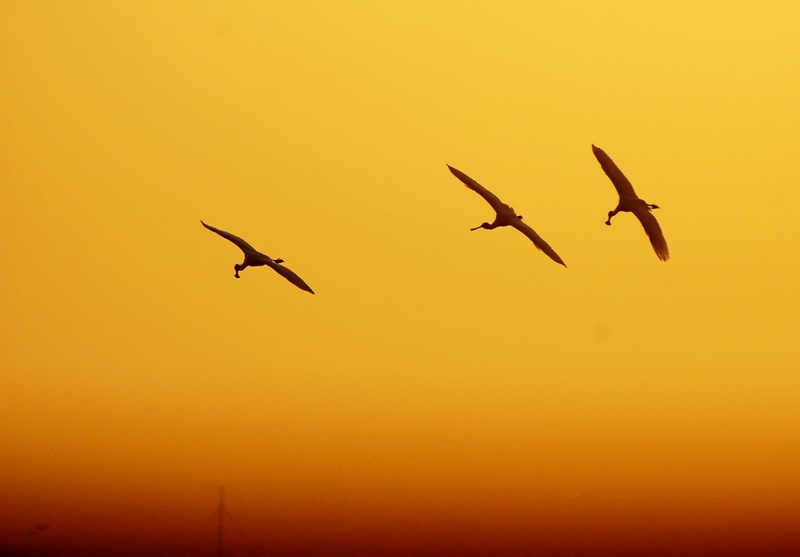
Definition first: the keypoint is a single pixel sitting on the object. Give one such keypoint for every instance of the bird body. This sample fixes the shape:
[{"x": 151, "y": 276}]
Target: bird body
[
  {"x": 632, "y": 203},
  {"x": 254, "y": 258},
  {"x": 505, "y": 216}
]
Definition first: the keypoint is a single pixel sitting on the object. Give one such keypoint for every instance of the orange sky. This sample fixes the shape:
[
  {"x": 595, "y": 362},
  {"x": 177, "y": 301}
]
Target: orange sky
[{"x": 444, "y": 390}]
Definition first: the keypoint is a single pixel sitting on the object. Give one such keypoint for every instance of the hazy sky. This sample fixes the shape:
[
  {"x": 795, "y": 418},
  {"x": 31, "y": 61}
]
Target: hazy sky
[{"x": 444, "y": 390}]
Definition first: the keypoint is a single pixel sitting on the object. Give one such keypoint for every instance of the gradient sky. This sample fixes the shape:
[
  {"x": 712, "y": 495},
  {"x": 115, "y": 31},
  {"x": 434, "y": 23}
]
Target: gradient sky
[{"x": 444, "y": 390}]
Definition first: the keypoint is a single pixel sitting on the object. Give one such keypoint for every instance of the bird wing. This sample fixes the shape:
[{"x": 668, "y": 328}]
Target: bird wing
[
  {"x": 244, "y": 246},
  {"x": 289, "y": 275},
  {"x": 537, "y": 240},
  {"x": 623, "y": 185},
  {"x": 653, "y": 230},
  {"x": 493, "y": 200}
]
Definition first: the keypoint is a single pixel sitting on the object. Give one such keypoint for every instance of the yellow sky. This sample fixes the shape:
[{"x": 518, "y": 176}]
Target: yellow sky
[{"x": 435, "y": 368}]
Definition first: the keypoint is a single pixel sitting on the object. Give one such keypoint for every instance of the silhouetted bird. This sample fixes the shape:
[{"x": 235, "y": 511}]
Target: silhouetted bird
[
  {"x": 505, "y": 215},
  {"x": 629, "y": 201},
  {"x": 253, "y": 258}
]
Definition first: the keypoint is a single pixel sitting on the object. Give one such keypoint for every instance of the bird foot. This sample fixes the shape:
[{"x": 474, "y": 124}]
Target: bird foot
[
  {"x": 608, "y": 222},
  {"x": 650, "y": 205},
  {"x": 279, "y": 260}
]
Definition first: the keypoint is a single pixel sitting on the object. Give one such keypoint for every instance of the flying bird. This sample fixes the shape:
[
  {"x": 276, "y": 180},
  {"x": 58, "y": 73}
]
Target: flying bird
[
  {"x": 505, "y": 215},
  {"x": 629, "y": 201},
  {"x": 254, "y": 258}
]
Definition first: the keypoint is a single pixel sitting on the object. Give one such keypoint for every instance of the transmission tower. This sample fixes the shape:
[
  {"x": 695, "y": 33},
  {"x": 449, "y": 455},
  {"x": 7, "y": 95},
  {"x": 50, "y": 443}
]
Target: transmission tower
[{"x": 221, "y": 523}]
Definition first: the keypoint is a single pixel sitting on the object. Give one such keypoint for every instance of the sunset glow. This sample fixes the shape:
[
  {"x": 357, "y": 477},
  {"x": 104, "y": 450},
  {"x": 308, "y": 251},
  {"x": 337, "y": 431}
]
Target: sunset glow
[{"x": 444, "y": 391}]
